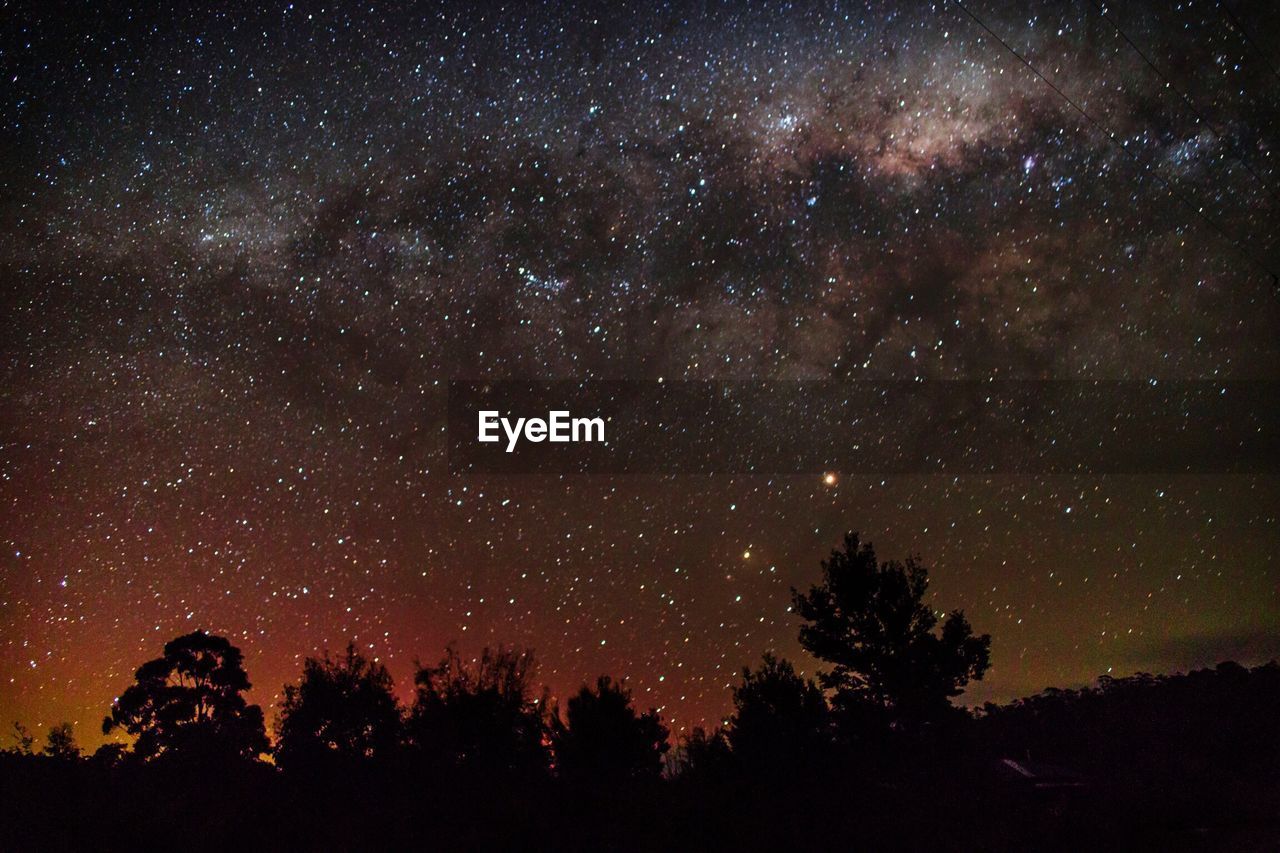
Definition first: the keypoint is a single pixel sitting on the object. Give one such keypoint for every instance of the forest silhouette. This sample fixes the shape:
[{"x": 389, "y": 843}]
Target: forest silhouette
[{"x": 872, "y": 754}]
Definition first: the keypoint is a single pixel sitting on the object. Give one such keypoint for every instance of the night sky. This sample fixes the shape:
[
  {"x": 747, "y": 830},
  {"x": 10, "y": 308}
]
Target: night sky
[{"x": 242, "y": 254}]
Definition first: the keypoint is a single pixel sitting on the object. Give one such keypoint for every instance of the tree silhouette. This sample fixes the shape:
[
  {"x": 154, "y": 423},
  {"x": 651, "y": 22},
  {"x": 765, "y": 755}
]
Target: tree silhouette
[
  {"x": 480, "y": 717},
  {"x": 1222, "y": 720},
  {"x": 604, "y": 738},
  {"x": 705, "y": 754},
  {"x": 110, "y": 755},
  {"x": 1122, "y": 763},
  {"x": 190, "y": 702},
  {"x": 780, "y": 718},
  {"x": 870, "y": 621},
  {"x": 23, "y": 739},
  {"x": 341, "y": 709},
  {"x": 61, "y": 743}
]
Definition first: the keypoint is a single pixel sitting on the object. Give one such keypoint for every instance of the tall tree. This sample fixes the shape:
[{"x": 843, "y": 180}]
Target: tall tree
[
  {"x": 780, "y": 718},
  {"x": 870, "y": 621},
  {"x": 602, "y": 737},
  {"x": 190, "y": 701},
  {"x": 480, "y": 716},
  {"x": 343, "y": 708}
]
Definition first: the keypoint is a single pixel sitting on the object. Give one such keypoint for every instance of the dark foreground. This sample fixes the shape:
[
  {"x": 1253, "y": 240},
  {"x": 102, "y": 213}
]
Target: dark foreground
[{"x": 87, "y": 807}]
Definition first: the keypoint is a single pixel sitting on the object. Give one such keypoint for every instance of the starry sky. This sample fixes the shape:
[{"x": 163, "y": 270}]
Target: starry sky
[{"x": 242, "y": 254}]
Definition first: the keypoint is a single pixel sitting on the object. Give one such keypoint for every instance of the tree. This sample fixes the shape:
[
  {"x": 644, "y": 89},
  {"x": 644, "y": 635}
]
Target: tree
[
  {"x": 780, "y": 718},
  {"x": 23, "y": 739},
  {"x": 869, "y": 620},
  {"x": 480, "y": 717},
  {"x": 190, "y": 702},
  {"x": 342, "y": 708},
  {"x": 61, "y": 743},
  {"x": 603, "y": 737},
  {"x": 110, "y": 755},
  {"x": 705, "y": 754}
]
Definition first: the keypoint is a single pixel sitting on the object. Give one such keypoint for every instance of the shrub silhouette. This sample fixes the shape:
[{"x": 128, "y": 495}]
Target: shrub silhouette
[
  {"x": 603, "y": 738},
  {"x": 189, "y": 701},
  {"x": 480, "y": 717},
  {"x": 342, "y": 709},
  {"x": 869, "y": 620}
]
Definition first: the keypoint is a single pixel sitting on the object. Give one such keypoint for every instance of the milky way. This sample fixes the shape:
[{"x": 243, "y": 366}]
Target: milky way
[{"x": 243, "y": 254}]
